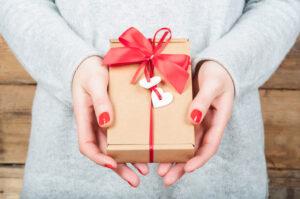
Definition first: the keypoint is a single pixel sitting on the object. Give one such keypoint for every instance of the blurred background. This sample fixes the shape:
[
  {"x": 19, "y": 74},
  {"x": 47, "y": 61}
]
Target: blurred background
[{"x": 280, "y": 101}]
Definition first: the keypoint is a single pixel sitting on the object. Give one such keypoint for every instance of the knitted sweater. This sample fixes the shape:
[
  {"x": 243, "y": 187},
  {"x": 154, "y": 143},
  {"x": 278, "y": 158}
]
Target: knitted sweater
[{"x": 51, "y": 38}]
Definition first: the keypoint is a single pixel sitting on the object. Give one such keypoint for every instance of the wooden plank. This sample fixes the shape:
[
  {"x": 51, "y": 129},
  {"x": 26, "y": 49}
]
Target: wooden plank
[
  {"x": 14, "y": 136},
  {"x": 15, "y": 116},
  {"x": 11, "y": 171},
  {"x": 284, "y": 184},
  {"x": 10, "y": 182},
  {"x": 281, "y": 113},
  {"x": 10, "y": 188},
  {"x": 16, "y": 98},
  {"x": 11, "y": 71}
]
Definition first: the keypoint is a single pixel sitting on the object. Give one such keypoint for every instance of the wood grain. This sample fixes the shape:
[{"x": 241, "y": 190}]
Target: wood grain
[
  {"x": 14, "y": 136},
  {"x": 10, "y": 182},
  {"x": 281, "y": 113},
  {"x": 16, "y": 98},
  {"x": 284, "y": 184},
  {"x": 15, "y": 114}
]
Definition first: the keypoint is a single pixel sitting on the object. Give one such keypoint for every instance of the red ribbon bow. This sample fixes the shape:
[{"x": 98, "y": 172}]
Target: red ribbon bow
[{"x": 138, "y": 49}]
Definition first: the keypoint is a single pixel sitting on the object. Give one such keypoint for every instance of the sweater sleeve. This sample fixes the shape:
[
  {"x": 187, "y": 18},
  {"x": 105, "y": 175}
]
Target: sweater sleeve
[
  {"x": 44, "y": 44},
  {"x": 255, "y": 46}
]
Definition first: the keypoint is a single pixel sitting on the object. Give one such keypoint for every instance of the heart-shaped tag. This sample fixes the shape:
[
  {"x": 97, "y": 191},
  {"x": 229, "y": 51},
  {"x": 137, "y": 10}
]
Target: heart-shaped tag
[
  {"x": 167, "y": 98},
  {"x": 153, "y": 81}
]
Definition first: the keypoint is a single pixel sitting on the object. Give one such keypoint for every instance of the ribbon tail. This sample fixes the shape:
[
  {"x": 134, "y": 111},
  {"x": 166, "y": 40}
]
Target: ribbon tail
[{"x": 133, "y": 80}]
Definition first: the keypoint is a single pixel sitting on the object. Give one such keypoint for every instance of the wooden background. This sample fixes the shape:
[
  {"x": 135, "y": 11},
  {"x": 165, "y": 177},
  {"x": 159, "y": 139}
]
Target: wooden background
[{"x": 280, "y": 98}]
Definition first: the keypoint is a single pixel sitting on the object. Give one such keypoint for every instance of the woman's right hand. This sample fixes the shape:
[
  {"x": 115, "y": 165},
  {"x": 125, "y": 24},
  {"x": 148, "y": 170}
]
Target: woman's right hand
[{"x": 93, "y": 113}]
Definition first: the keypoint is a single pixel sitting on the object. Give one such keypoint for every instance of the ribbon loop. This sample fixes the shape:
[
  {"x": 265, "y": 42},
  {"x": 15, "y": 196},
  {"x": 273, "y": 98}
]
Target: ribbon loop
[{"x": 159, "y": 47}]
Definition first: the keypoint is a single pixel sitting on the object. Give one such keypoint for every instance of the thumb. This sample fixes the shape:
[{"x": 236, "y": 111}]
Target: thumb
[
  {"x": 201, "y": 103},
  {"x": 97, "y": 88}
]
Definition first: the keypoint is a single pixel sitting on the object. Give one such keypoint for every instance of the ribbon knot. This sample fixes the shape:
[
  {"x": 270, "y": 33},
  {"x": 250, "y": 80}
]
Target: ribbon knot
[
  {"x": 151, "y": 57},
  {"x": 138, "y": 49}
]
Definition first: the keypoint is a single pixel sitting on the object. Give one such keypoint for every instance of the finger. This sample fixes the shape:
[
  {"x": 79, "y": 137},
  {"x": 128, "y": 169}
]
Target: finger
[
  {"x": 142, "y": 168},
  {"x": 213, "y": 136},
  {"x": 201, "y": 103},
  {"x": 163, "y": 168},
  {"x": 174, "y": 174},
  {"x": 96, "y": 86},
  {"x": 87, "y": 138},
  {"x": 128, "y": 175}
]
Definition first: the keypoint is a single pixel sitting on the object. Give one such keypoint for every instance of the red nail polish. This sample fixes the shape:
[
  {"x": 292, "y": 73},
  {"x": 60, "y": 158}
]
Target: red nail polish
[
  {"x": 104, "y": 118},
  {"x": 196, "y": 115},
  {"x": 130, "y": 184},
  {"x": 140, "y": 171},
  {"x": 109, "y": 166}
]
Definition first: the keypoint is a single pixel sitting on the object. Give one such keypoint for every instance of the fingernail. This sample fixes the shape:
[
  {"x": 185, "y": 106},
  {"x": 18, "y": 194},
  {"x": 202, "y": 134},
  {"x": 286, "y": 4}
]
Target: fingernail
[
  {"x": 140, "y": 171},
  {"x": 196, "y": 115},
  {"x": 130, "y": 184},
  {"x": 104, "y": 118},
  {"x": 109, "y": 166}
]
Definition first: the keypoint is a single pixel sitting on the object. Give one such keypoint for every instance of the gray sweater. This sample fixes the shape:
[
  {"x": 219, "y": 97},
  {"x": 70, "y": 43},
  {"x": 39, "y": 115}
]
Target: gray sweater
[{"x": 51, "y": 38}]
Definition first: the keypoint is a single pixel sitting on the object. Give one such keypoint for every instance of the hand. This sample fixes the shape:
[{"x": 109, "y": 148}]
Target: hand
[
  {"x": 93, "y": 113},
  {"x": 210, "y": 111}
]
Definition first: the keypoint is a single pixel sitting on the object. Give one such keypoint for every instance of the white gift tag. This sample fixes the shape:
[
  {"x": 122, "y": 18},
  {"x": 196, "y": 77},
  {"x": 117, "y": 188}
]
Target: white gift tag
[
  {"x": 153, "y": 81},
  {"x": 167, "y": 98}
]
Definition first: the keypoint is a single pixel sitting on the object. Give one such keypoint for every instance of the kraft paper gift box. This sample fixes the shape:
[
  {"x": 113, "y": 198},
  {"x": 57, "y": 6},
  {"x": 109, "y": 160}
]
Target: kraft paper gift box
[{"x": 128, "y": 138}]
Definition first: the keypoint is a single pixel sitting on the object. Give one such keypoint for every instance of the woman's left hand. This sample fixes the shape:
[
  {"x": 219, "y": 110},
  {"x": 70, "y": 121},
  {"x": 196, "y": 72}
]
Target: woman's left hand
[{"x": 210, "y": 112}]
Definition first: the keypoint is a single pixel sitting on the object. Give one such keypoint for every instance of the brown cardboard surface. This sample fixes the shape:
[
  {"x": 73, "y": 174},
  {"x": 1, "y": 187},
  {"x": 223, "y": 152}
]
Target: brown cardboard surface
[{"x": 128, "y": 137}]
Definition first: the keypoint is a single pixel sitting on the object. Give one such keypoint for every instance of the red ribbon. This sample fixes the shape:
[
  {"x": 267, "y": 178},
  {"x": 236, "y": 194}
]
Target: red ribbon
[{"x": 138, "y": 49}]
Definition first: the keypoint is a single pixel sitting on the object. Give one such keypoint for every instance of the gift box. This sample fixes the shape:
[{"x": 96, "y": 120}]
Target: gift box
[{"x": 150, "y": 124}]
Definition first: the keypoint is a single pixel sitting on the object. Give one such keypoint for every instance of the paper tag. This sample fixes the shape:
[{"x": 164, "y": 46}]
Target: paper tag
[
  {"x": 153, "y": 81},
  {"x": 167, "y": 98}
]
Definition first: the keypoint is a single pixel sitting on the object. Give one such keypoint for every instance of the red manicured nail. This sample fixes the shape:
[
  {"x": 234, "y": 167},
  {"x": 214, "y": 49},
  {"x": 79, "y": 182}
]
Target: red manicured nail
[
  {"x": 196, "y": 115},
  {"x": 109, "y": 166},
  {"x": 104, "y": 118},
  {"x": 130, "y": 184},
  {"x": 140, "y": 171}
]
